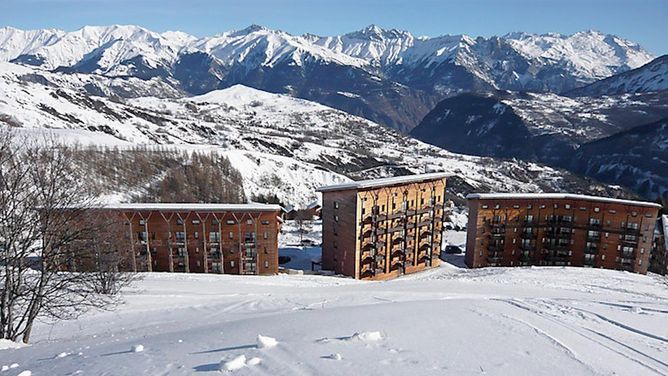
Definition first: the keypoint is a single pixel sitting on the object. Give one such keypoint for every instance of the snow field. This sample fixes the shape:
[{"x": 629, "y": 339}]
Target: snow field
[{"x": 444, "y": 321}]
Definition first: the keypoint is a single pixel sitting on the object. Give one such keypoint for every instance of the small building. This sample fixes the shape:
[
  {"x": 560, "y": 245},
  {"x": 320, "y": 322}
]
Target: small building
[
  {"x": 560, "y": 230},
  {"x": 200, "y": 238},
  {"x": 314, "y": 209},
  {"x": 382, "y": 228},
  {"x": 659, "y": 259}
]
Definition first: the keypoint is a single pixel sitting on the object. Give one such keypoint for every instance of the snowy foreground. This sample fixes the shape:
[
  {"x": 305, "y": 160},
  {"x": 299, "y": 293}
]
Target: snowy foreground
[{"x": 528, "y": 321}]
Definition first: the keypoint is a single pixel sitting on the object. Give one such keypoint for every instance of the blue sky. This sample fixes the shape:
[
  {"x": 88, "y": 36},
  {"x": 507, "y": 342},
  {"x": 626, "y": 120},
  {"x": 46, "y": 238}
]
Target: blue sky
[{"x": 643, "y": 21}]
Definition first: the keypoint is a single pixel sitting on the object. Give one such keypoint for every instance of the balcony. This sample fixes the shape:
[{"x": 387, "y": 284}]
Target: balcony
[
  {"x": 368, "y": 257},
  {"x": 556, "y": 246},
  {"x": 527, "y": 247},
  {"x": 632, "y": 230},
  {"x": 529, "y": 235},
  {"x": 626, "y": 260},
  {"x": 397, "y": 252},
  {"x": 591, "y": 250},
  {"x": 593, "y": 239},
  {"x": 630, "y": 241},
  {"x": 558, "y": 235},
  {"x": 495, "y": 247},
  {"x": 424, "y": 223}
]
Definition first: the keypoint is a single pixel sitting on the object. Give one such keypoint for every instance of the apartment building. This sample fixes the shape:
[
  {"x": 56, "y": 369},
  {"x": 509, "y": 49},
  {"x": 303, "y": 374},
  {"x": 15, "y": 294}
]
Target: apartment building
[
  {"x": 200, "y": 238},
  {"x": 560, "y": 230},
  {"x": 658, "y": 262},
  {"x": 382, "y": 228}
]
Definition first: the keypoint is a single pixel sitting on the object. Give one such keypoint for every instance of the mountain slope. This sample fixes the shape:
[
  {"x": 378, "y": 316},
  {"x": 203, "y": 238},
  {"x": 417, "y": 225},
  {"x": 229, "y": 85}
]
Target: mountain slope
[
  {"x": 637, "y": 158},
  {"x": 388, "y": 76},
  {"x": 536, "y": 126},
  {"x": 280, "y": 144},
  {"x": 651, "y": 77}
]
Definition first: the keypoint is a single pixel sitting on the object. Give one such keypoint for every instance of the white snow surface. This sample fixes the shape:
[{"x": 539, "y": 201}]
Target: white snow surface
[
  {"x": 444, "y": 321},
  {"x": 266, "y": 342}
]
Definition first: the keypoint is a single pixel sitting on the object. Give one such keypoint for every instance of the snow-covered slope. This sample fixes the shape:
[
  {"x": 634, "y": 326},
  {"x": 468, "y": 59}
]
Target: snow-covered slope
[
  {"x": 281, "y": 145},
  {"x": 447, "y": 321},
  {"x": 651, "y": 77}
]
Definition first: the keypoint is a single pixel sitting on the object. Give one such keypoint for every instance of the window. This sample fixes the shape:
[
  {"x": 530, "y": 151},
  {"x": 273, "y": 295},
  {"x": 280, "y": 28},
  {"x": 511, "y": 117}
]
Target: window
[
  {"x": 215, "y": 222},
  {"x": 265, "y": 222},
  {"x": 249, "y": 222},
  {"x": 142, "y": 236},
  {"x": 485, "y": 206},
  {"x": 180, "y": 236},
  {"x": 336, "y": 204},
  {"x": 142, "y": 222},
  {"x": 596, "y": 210},
  {"x": 181, "y": 252},
  {"x": 336, "y": 218},
  {"x": 179, "y": 221},
  {"x": 231, "y": 235},
  {"x": 196, "y": 235},
  {"x": 231, "y": 222},
  {"x": 567, "y": 206},
  {"x": 195, "y": 221},
  {"x": 265, "y": 235},
  {"x": 529, "y": 206},
  {"x": 232, "y": 264},
  {"x": 214, "y": 237},
  {"x": 266, "y": 264}
]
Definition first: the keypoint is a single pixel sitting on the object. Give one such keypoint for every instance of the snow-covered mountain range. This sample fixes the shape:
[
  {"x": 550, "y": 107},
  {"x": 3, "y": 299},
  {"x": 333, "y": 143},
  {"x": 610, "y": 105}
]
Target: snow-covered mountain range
[
  {"x": 550, "y": 128},
  {"x": 388, "y": 76},
  {"x": 280, "y": 144}
]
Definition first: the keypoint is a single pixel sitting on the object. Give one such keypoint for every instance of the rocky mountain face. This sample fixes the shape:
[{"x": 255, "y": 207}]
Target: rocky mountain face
[
  {"x": 280, "y": 144},
  {"x": 388, "y": 76},
  {"x": 551, "y": 128},
  {"x": 636, "y": 158}
]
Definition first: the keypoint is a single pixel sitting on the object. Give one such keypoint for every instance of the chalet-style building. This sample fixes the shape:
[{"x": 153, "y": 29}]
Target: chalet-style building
[
  {"x": 559, "y": 229},
  {"x": 382, "y": 228},
  {"x": 200, "y": 238}
]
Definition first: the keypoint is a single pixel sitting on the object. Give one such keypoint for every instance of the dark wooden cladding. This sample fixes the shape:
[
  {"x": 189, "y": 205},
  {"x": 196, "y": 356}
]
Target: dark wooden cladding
[
  {"x": 570, "y": 231},
  {"x": 381, "y": 232},
  {"x": 202, "y": 241}
]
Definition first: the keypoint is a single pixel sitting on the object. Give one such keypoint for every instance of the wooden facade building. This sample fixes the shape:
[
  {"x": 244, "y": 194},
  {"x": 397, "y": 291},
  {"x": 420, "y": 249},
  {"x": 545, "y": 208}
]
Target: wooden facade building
[
  {"x": 382, "y": 228},
  {"x": 559, "y": 230},
  {"x": 201, "y": 238}
]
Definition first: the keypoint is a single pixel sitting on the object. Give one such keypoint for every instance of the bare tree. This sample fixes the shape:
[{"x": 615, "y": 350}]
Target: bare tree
[
  {"x": 101, "y": 255},
  {"x": 304, "y": 222},
  {"x": 43, "y": 203}
]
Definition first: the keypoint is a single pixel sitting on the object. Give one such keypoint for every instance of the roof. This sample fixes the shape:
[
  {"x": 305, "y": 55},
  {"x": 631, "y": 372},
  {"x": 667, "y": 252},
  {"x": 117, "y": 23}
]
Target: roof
[
  {"x": 534, "y": 196},
  {"x": 192, "y": 207},
  {"x": 383, "y": 182}
]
